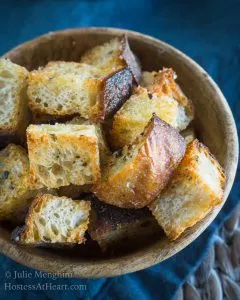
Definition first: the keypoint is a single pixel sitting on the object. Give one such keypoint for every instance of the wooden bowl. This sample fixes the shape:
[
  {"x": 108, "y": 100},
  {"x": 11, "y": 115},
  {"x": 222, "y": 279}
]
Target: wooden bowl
[{"x": 214, "y": 123}]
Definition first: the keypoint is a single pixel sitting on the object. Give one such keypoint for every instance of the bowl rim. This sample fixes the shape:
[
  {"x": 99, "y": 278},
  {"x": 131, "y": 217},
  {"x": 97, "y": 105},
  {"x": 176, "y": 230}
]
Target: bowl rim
[{"x": 141, "y": 259}]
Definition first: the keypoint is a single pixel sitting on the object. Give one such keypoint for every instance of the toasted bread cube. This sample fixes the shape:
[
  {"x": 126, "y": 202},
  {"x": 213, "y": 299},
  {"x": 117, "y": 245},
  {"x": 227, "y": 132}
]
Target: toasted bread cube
[
  {"x": 14, "y": 182},
  {"x": 14, "y": 115},
  {"x": 63, "y": 88},
  {"x": 189, "y": 134},
  {"x": 104, "y": 151},
  {"x": 54, "y": 220},
  {"x": 136, "y": 177},
  {"x": 112, "y": 56},
  {"x": 196, "y": 188},
  {"x": 68, "y": 88},
  {"x": 134, "y": 115},
  {"x": 159, "y": 94},
  {"x": 163, "y": 82},
  {"x": 62, "y": 154},
  {"x": 112, "y": 226}
]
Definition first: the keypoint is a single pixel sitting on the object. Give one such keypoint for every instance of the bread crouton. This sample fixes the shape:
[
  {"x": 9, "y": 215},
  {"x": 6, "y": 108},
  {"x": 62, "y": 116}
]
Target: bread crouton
[
  {"x": 195, "y": 189},
  {"x": 135, "y": 176},
  {"x": 163, "y": 82},
  {"x": 63, "y": 88},
  {"x": 112, "y": 226},
  {"x": 14, "y": 115},
  {"x": 134, "y": 115},
  {"x": 62, "y": 154},
  {"x": 104, "y": 151},
  {"x": 159, "y": 94},
  {"x": 112, "y": 56},
  {"x": 68, "y": 88},
  {"x": 14, "y": 182},
  {"x": 54, "y": 220}
]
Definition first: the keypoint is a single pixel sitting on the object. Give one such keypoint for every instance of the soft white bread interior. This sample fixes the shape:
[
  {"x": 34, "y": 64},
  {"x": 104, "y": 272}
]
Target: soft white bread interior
[
  {"x": 64, "y": 88},
  {"x": 14, "y": 115},
  {"x": 196, "y": 188},
  {"x": 137, "y": 174},
  {"x": 104, "y": 151},
  {"x": 62, "y": 154},
  {"x": 15, "y": 195},
  {"x": 53, "y": 219}
]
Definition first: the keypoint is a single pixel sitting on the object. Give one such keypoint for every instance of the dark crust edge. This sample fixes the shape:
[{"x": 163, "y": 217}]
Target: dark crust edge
[
  {"x": 130, "y": 59},
  {"x": 116, "y": 89},
  {"x": 116, "y": 215},
  {"x": 8, "y": 137}
]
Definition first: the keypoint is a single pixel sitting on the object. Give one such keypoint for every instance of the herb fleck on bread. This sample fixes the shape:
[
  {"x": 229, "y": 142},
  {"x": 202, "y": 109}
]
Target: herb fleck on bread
[{"x": 62, "y": 154}]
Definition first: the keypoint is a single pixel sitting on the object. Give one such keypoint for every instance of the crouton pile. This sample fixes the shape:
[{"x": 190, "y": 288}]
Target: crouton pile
[{"x": 100, "y": 146}]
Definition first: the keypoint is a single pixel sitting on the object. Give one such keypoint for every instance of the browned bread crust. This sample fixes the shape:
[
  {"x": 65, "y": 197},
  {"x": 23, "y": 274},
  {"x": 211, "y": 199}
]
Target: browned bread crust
[
  {"x": 117, "y": 86},
  {"x": 74, "y": 191},
  {"x": 118, "y": 55},
  {"x": 116, "y": 89},
  {"x": 112, "y": 226},
  {"x": 130, "y": 59},
  {"x": 97, "y": 96},
  {"x": 134, "y": 179}
]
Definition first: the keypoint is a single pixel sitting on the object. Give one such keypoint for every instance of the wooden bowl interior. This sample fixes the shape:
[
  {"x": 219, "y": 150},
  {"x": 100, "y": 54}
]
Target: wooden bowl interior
[{"x": 214, "y": 125}]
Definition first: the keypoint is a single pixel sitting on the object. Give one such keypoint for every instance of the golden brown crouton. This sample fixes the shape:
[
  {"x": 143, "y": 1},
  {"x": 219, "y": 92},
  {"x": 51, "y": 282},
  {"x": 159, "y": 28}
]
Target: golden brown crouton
[
  {"x": 15, "y": 195},
  {"x": 112, "y": 56},
  {"x": 136, "y": 177},
  {"x": 163, "y": 82},
  {"x": 68, "y": 88},
  {"x": 62, "y": 154},
  {"x": 159, "y": 94},
  {"x": 136, "y": 112},
  {"x": 104, "y": 151},
  {"x": 54, "y": 220},
  {"x": 14, "y": 114},
  {"x": 195, "y": 189}
]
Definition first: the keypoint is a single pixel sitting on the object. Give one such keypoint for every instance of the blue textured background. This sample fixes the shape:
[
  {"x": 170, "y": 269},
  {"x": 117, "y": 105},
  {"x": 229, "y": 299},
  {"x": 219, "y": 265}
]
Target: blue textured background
[{"x": 209, "y": 32}]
